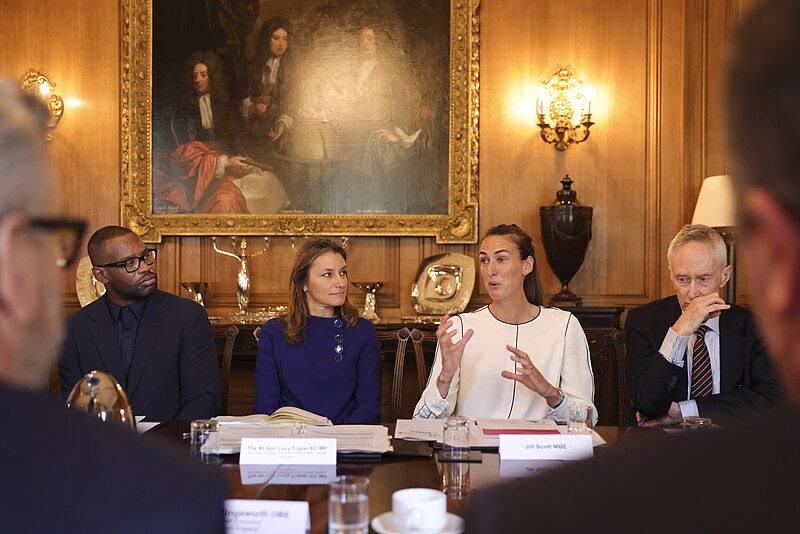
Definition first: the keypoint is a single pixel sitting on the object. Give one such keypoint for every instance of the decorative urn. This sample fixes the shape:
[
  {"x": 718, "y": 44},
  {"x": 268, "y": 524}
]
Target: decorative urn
[{"x": 566, "y": 232}]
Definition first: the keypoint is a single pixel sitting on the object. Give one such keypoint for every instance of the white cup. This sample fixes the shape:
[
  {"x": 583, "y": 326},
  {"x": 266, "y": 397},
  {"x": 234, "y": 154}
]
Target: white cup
[{"x": 419, "y": 510}]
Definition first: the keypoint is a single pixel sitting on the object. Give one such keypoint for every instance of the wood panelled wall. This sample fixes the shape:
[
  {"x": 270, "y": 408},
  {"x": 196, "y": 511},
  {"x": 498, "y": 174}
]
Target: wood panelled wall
[{"x": 657, "y": 68}]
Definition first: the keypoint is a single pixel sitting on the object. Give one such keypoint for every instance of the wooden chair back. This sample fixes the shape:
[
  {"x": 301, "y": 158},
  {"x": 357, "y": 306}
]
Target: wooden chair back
[
  {"x": 623, "y": 397},
  {"x": 228, "y": 333},
  {"x": 402, "y": 337}
]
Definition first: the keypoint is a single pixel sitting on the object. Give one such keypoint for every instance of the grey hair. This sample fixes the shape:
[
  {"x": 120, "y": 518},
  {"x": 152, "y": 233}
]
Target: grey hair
[
  {"x": 699, "y": 233},
  {"x": 25, "y": 173}
]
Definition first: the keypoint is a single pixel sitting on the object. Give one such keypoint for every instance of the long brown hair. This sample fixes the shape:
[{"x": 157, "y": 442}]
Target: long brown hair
[
  {"x": 295, "y": 319},
  {"x": 524, "y": 243}
]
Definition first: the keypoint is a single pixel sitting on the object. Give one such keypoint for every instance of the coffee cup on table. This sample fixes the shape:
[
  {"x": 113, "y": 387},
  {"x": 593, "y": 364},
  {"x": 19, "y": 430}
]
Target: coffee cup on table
[{"x": 419, "y": 510}]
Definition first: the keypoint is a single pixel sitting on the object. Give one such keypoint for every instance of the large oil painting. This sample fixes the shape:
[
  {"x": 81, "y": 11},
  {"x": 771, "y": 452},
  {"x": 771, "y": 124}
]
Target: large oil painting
[{"x": 300, "y": 117}]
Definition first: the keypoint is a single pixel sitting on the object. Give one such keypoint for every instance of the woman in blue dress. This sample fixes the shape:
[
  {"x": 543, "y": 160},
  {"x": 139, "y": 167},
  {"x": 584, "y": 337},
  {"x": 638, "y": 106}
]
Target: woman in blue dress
[{"x": 320, "y": 355}]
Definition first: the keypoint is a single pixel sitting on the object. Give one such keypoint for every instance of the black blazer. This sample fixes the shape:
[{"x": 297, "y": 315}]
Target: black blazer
[
  {"x": 175, "y": 370},
  {"x": 67, "y": 472},
  {"x": 746, "y": 377}
]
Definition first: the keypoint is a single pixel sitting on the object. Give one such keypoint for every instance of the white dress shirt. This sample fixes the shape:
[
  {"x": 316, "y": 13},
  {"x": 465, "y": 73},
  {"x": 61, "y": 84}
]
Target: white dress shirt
[{"x": 678, "y": 349}]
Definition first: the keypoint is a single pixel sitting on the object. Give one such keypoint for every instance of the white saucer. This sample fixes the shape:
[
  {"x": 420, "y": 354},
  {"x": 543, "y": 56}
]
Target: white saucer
[{"x": 384, "y": 524}]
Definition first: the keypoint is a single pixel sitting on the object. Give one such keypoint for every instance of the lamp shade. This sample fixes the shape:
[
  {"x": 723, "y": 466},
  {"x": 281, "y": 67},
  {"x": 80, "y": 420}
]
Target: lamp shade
[{"x": 716, "y": 206}]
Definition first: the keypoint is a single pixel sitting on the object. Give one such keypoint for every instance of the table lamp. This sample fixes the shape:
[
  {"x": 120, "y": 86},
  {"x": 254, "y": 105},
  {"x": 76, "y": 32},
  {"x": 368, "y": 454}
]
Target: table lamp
[{"x": 716, "y": 208}]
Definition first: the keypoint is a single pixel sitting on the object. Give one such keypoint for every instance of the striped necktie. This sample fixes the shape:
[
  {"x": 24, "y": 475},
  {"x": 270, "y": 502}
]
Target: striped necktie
[{"x": 702, "y": 383}]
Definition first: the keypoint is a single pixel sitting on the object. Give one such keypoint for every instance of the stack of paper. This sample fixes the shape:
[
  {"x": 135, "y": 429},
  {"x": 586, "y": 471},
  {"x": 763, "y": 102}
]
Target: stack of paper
[
  {"x": 495, "y": 427},
  {"x": 349, "y": 438},
  {"x": 483, "y": 433},
  {"x": 283, "y": 415}
]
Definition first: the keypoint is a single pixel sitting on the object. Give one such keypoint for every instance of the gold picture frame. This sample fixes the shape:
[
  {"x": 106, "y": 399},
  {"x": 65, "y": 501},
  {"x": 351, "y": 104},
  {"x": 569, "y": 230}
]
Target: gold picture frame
[{"x": 458, "y": 225}]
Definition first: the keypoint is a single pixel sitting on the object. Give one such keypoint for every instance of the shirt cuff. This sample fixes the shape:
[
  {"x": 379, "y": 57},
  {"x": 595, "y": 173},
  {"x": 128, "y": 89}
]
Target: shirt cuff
[
  {"x": 222, "y": 164},
  {"x": 689, "y": 408},
  {"x": 673, "y": 348},
  {"x": 437, "y": 405}
]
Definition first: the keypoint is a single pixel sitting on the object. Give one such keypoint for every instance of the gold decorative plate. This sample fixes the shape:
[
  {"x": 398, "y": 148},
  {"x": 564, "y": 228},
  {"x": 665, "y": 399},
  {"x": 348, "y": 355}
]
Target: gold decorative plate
[
  {"x": 86, "y": 285},
  {"x": 443, "y": 284}
]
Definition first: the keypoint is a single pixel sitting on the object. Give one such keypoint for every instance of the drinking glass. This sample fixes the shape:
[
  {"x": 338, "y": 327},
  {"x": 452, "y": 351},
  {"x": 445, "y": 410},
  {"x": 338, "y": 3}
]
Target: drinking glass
[
  {"x": 455, "y": 441},
  {"x": 455, "y": 479},
  {"x": 204, "y": 434},
  {"x": 348, "y": 505},
  {"x": 581, "y": 417}
]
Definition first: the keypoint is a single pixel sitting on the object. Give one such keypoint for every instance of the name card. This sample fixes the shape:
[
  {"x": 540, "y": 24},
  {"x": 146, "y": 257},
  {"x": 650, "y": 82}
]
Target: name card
[
  {"x": 545, "y": 447},
  {"x": 288, "y": 451},
  {"x": 287, "y": 474},
  {"x": 528, "y": 468},
  {"x": 266, "y": 517}
]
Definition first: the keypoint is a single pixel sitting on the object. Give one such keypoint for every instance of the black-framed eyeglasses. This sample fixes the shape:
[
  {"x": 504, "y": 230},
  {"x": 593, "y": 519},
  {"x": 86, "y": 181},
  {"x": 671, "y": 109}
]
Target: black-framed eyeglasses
[
  {"x": 68, "y": 233},
  {"x": 132, "y": 265}
]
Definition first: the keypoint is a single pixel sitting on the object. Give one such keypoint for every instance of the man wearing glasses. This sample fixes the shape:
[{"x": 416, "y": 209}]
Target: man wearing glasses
[
  {"x": 65, "y": 471},
  {"x": 157, "y": 345}
]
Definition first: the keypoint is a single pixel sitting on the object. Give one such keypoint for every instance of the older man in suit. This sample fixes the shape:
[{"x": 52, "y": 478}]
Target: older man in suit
[
  {"x": 64, "y": 471},
  {"x": 741, "y": 479},
  {"x": 157, "y": 345},
  {"x": 693, "y": 354}
]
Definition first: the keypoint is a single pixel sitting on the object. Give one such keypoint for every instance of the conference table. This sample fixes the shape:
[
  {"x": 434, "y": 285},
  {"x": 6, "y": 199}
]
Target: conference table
[{"x": 390, "y": 473}]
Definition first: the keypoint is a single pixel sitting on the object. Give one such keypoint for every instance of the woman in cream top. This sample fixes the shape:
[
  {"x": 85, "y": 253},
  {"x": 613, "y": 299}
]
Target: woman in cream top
[{"x": 513, "y": 358}]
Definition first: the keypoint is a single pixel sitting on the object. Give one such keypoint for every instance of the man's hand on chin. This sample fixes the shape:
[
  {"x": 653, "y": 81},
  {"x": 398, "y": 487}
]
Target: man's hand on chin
[
  {"x": 673, "y": 417},
  {"x": 696, "y": 313}
]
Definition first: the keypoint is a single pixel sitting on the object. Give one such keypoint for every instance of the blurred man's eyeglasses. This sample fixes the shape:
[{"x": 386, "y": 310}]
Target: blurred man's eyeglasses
[
  {"x": 132, "y": 265},
  {"x": 68, "y": 234}
]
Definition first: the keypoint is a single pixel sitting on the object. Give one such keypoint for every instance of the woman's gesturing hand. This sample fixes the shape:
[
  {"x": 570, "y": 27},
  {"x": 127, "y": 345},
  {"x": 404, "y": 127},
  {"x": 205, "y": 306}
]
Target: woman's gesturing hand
[
  {"x": 530, "y": 376},
  {"x": 451, "y": 352}
]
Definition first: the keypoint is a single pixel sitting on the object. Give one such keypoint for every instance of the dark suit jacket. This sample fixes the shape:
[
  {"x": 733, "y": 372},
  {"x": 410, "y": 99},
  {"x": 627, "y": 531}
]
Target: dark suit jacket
[
  {"x": 744, "y": 480},
  {"x": 67, "y": 472},
  {"x": 746, "y": 377},
  {"x": 175, "y": 370}
]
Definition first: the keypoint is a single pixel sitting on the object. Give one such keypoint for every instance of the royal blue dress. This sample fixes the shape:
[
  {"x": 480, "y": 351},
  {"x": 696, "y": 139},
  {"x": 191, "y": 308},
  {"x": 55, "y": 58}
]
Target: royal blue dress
[{"x": 334, "y": 372}]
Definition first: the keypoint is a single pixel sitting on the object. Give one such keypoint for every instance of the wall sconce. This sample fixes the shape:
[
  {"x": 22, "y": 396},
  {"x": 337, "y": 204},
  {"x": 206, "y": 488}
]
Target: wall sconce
[
  {"x": 36, "y": 83},
  {"x": 564, "y": 109}
]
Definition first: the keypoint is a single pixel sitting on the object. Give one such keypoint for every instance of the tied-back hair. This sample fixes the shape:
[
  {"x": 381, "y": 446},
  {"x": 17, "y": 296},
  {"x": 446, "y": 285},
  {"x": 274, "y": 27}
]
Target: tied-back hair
[
  {"x": 524, "y": 243},
  {"x": 295, "y": 319}
]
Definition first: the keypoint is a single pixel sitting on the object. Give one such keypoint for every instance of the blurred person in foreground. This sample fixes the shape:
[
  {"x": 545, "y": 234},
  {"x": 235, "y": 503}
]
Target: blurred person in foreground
[
  {"x": 64, "y": 471},
  {"x": 741, "y": 479}
]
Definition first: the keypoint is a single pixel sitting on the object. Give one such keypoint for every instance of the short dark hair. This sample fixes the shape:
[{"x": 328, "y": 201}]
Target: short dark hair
[
  {"x": 524, "y": 243},
  {"x": 763, "y": 89},
  {"x": 97, "y": 243}
]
